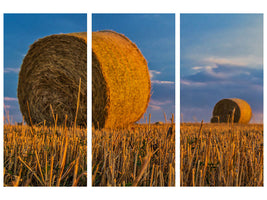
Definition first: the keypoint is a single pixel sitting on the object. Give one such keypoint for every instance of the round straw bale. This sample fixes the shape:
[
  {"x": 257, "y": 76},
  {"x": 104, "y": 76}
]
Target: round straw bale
[
  {"x": 120, "y": 81},
  {"x": 49, "y": 80},
  {"x": 225, "y": 108}
]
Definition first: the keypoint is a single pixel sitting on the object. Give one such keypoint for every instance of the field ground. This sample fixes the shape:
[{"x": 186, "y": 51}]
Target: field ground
[
  {"x": 221, "y": 154},
  {"x": 140, "y": 155},
  {"x": 42, "y": 156}
]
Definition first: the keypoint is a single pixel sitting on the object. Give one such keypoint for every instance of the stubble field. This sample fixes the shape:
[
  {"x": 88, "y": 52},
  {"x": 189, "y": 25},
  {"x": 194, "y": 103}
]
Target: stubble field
[
  {"x": 140, "y": 155},
  {"x": 221, "y": 154},
  {"x": 45, "y": 156}
]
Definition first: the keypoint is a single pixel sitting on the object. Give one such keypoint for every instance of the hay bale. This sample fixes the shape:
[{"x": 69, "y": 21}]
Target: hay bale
[
  {"x": 50, "y": 74},
  {"x": 224, "y": 109},
  {"x": 120, "y": 80}
]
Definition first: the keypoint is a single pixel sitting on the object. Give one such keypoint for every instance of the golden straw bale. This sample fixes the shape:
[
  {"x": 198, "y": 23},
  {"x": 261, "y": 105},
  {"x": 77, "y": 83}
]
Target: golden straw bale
[
  {"x": 50, "y": 75},
  {"x": 225, "y": 108},
  {"x": 120, "y": 81}
]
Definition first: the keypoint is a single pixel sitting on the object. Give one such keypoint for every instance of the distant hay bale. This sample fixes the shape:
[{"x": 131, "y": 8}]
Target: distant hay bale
[
  {"x": 224, "y": 109},
  {"x": 120, "y": 80},
  {"x": 50, "y": 75}
]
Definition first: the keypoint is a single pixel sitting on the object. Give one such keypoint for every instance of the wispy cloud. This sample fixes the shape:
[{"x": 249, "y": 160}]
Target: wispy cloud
[
  {"x": 162, "y": 82},
  {"x": 192, "y": 83},
  {"x": 206, "y": 68},
  {"x": 222, "y": 74},
  {"x": 10, "y": 99},
  {"x": 257, "y": 117},
  {"x": 157, "y": 105},
  {"x": 154, "y": 107},
  {"x": 236, "y": 61},
  {"x": 210, "y": 71},
  {"x": 153, "y": 73},
  {"x": 156, "y": 102},
  {"x": 11, "y": 70},
  {"x": 7, "y": 106}
]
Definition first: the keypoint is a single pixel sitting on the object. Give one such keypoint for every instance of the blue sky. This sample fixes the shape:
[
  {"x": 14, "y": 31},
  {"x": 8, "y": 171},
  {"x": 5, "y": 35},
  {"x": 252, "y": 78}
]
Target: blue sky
[
  {"x": 221, "y": 56},
  {"x": 154, "y": 34},
  {"x": 20, "y": 31}
]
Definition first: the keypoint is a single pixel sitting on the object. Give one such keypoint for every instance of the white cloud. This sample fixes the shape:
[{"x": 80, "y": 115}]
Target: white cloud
[
  {"x": 154, "y": 107},
  {"x": 153, "y": 73},
  {"x": 7, "y": 106},
  {"x": 192, "y": 83},
  {"x": 248, "y": 61},
  {"x": 162, "y": 82},
  {"x": 221, "y": 69},
  {"x": 10, "y": 99},
  {"x": 209, "y": 70},
  {"x": 198, "y": 68},
  {"x": 11, "y": 70}
]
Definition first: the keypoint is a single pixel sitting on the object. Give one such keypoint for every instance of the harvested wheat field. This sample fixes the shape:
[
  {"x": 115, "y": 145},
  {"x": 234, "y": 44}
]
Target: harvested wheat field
[
  {"x": 140, "y": 155},
  {"x": 43, "y": 156},
  {"x": 225, "y": 154}
]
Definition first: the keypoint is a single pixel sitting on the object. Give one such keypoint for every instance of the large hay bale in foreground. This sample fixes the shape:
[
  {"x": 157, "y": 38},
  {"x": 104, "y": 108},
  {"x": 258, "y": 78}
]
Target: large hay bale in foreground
[
  {"x": 120, "y": 81},
  {"x": 50, "y": 75},
  {"x": 225, "y": 108}
]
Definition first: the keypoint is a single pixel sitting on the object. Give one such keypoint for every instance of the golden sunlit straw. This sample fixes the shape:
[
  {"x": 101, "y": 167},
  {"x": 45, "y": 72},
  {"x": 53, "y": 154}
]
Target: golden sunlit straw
[
  {"x": 120, "y": 80},
  {"x": 232, "y": 110}
]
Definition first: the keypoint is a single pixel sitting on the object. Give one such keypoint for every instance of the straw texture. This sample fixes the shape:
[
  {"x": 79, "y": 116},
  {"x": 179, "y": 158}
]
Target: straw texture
[
  {"x": 50, "y": 75},
  {"x": 120, "y": 81},
  {"x": 225, "y": 108}
]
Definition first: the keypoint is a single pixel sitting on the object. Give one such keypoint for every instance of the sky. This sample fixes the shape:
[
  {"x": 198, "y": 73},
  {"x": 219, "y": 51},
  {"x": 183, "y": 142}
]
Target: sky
[
  {"x": 20, "y": 31},
  {"x": 221, "y": 56},
  {"x": 154, "y": 35}
]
